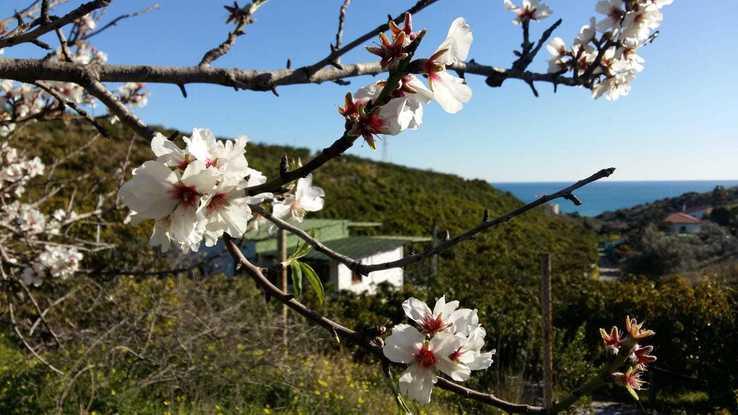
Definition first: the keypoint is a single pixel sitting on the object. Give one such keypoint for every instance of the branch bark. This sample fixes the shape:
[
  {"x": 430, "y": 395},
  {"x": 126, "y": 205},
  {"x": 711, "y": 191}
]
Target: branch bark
[
  {"x": 70, "y": 17},
  {"x": 29, "y": 70},
  {"x": 358, "y": 338},
  {"x": 365, "y": 269}
]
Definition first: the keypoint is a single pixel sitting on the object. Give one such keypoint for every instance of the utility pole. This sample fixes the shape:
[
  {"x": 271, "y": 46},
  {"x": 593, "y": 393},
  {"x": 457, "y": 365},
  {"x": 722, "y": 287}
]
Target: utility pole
[
  {"x": 282, "y": 258},
  {"x": 547, "y": 314}
]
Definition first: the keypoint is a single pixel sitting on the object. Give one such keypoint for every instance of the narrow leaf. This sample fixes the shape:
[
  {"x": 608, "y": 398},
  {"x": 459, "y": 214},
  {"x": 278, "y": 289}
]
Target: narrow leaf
[
  {"x": 296, "y": 272},
  {"x": 314, "y": 281}
]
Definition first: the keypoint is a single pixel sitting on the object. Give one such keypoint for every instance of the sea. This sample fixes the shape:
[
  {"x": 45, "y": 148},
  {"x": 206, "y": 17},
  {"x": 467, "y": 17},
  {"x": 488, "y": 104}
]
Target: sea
[{"x": 603, "y": 196}]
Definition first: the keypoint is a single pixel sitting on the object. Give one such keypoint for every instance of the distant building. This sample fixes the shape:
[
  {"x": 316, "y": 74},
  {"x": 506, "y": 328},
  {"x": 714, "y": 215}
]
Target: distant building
[
  {"x": 336, "y": 235},
  {"x": 699, "y": 212},
  {"x": 553, "y": 208},
  {"x": 682, "y": 223}
]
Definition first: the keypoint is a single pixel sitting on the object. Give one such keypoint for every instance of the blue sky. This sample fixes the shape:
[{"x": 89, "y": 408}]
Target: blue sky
[{"x": 679, "y": 122}]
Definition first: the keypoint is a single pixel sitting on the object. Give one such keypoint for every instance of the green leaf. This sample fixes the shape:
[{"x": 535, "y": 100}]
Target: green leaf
[
  {"x": 300, "y": 251},
  {"x": 296, "y": 272},
  {"x": 314, "y": 281},
  {"x": 632, "y": 393}
]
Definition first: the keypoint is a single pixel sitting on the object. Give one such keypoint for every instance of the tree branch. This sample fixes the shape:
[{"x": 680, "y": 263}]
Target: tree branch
[
  {"x": 79, "y": 110},
  {"x": 365, "y": 269},
  {"x": 244, "y": 18},
  {"x": 29, "y": 70},
  {"x": 335, "y": 54},
  {"x": 70, "y": 17},
  {"x": 99, "y": 91},
  {"x": 357, "y": 338}
]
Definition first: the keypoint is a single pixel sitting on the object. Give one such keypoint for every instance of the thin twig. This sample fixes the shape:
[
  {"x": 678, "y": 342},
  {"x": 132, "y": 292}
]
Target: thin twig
[
  {"x": 27, "y": 345},
  {"x": 99, "y": 91},
  {"x": 117, "y": 20},
  {"x": 73, "y": 105},
  {"x": 244, "y": 17},
  {"x": 70, "y": 17},
  {"x": 336, "y": 54},
  {"x": 365, "y": 269},
  {"x": 341, "y": 23},
  {"x": 358, "y": 338}
]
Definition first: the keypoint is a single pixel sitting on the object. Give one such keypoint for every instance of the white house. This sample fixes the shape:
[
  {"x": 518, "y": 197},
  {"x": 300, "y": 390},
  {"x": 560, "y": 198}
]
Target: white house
[
  {"x": 368, "y": 250},
  {"x": 336, "y": 235},
  {"x": 682, "y": 223}
]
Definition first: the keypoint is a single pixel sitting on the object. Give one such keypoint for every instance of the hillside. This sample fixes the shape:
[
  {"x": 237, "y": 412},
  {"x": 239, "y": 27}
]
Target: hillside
[
  {"x": 174, "y": 344},
  {"x": 641, "y": 215},
  {"x": 407, "y": 201}
]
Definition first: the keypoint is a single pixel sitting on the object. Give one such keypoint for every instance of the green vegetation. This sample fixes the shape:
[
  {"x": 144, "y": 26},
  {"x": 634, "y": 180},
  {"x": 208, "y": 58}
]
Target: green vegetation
[{"x": 188, "y": 344}]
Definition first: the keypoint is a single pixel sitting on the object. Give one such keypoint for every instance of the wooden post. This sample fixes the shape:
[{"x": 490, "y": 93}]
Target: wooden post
[
  {"x": 282, "y": 258},
  {"x": 547, "y": 314}
]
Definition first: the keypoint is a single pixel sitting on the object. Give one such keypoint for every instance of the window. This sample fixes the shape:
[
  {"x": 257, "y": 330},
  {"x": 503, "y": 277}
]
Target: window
[{"x": 355, "y": 278}]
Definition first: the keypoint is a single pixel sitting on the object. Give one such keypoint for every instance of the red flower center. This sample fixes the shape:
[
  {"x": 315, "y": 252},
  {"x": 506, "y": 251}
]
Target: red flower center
[
  {"x": 184, "y": 163},
  {"x": 186, "y": 195},
  {"x": 431, "y": 324},
  {"x": 374, "y": 123},
  {"x": 425, "y": 357},
  {"x": 217, "y": 202},
  {"x": 456, "y": 355}
]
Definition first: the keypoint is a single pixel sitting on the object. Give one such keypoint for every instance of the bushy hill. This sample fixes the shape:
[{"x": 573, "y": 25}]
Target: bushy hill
[
  {"x": 170, "y": 344},
  {"x": 407, "y": 201},
  {"x": 653, "y": 213}
]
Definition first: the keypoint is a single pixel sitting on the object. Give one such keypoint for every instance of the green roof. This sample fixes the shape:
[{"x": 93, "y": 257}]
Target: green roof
[
  {"x": 357, "y": 246},
  {"x": 321, "y": 229}
]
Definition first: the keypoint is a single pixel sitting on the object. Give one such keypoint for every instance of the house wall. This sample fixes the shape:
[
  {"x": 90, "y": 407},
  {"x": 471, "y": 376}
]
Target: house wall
[
  {"x": 343, "y": 276},
  {"x": 685, "y": 228}
]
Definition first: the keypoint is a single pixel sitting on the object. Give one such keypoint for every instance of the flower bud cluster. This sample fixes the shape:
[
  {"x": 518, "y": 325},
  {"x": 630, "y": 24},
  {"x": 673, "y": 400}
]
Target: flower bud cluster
[
  {"x": 368, "y": 117},
  {"x": 638, "y": 356}
]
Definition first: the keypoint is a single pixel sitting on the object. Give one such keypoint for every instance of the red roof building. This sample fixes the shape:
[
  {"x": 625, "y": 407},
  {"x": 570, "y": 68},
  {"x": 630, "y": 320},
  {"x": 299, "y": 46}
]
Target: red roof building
[
  {"x": 681, "y": 218},
  {"x": 682, "y": 223}
]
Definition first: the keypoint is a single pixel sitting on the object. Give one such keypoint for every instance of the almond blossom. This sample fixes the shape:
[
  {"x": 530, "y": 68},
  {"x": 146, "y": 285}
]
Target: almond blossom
[
  {"x": 530, "y": 10},
  {"x": 614, "y": 12},
  {"x": 450, "y": 341},
  {"x": 425, "y": 358},
  {"x": 197, "y": 192},
  {"x": 612, "y": 340},
  {"x": 470, "y": 352},
  {"x": 449, "y": 91},
  {"x": 443, "y": 317},
  {"x": 635, "y": 330},
  {"x": 642, "y": 356},
  {"x": 631, "y": 380},
  {"x": 368, "y": 121},
  {"x": 57, "y": 261},
  {"x": 157, "y": 192},
  {"x": 306, "y": 198},
  {"x": 393, "y": 51},
  {"x": 227, "y": 210}
]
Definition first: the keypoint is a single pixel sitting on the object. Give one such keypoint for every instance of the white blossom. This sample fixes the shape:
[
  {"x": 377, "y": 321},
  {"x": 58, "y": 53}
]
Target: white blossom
[
  {"x": 425, "y": 358},
  {"x": 56, "y": 261},
  {"x": 306, "y": 198},
  {"x": 157, "y": 192},
  {"x": 614, "y": 12},
  {"x": 449, "y": 91},
  {"x": 450, "y": 340},
  {"x": 529, "y": 10},
  {"x": 196, "y": 193},
  {"x": 445, "y": 316}
]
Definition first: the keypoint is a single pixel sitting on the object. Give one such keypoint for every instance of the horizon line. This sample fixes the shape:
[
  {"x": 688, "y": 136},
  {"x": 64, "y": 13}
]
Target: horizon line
[{"x": 614, "y": 181}]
